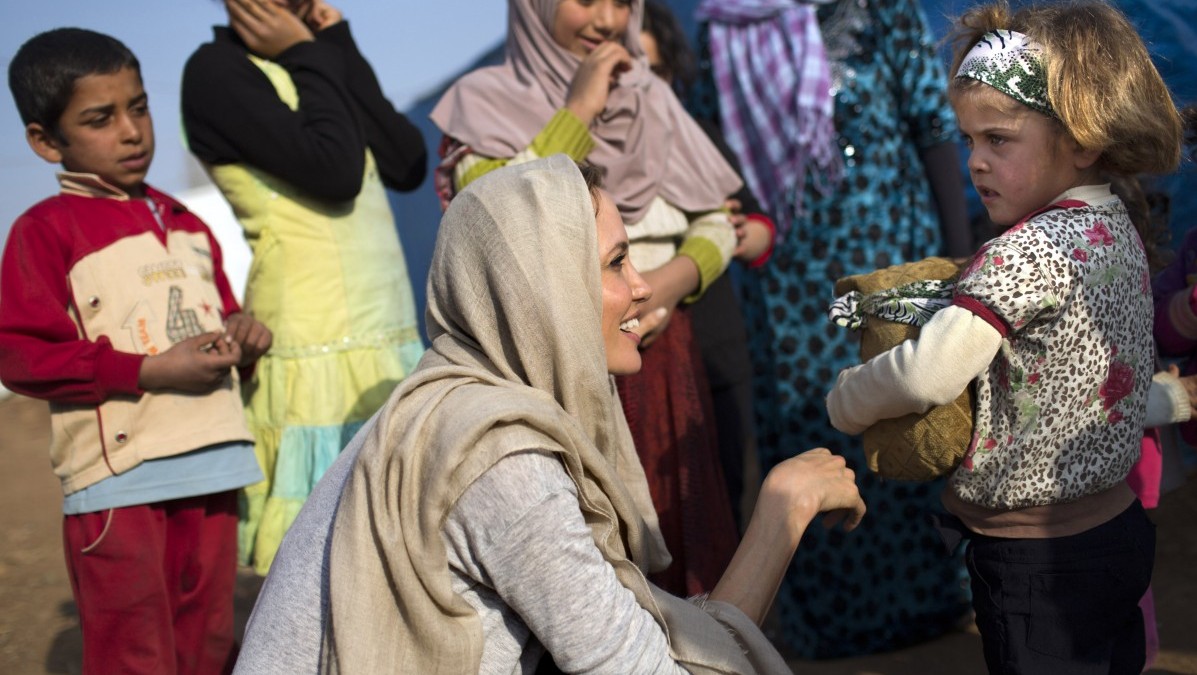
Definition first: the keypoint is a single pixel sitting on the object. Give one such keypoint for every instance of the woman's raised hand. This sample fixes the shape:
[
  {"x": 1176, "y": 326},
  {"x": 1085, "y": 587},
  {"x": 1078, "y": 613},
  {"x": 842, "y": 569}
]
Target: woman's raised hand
[
  {"x": 266, "y": 29},
  {"x": 793, "y": 493},
  {"x": 811, "y": 483},
  {"x": 598, "y": 73}
]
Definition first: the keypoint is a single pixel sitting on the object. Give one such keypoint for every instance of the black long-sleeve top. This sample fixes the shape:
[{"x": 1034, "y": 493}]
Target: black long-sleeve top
[{"x": 232, "y": 114}]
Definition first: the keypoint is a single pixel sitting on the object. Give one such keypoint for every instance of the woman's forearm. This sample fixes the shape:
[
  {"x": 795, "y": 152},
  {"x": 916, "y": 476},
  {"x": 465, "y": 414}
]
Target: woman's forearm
[
  {"x": 756, "y": 570},
  {"x": 792, "y": 494}
]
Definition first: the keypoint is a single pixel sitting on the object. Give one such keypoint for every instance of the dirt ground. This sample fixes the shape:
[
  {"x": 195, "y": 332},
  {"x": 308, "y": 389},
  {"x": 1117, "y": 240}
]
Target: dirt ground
[{"x": 39, "y": 630}]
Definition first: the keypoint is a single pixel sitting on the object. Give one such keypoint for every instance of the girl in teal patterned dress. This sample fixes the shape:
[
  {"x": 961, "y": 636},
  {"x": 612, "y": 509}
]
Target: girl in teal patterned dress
[{"x": 900, "y": 199}]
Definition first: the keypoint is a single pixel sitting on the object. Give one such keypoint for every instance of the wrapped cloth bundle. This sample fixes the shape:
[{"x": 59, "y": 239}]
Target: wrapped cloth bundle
[{"x": 888, "y": 307}]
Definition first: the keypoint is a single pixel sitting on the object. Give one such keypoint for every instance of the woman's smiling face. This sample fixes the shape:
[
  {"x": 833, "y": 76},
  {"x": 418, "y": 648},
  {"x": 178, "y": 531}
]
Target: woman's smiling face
[
  {"x": 581, "y": 25},
  {"x": 624, "y": 290}
]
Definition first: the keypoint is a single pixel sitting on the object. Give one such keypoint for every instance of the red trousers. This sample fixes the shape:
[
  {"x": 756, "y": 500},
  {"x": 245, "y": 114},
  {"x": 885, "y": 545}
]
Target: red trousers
[{"x": 154, "y": 585}]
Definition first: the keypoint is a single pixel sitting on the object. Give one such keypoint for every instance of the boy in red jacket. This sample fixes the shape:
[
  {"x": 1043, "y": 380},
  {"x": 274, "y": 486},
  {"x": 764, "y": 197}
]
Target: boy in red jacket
[{"x": 115, "y": 309}]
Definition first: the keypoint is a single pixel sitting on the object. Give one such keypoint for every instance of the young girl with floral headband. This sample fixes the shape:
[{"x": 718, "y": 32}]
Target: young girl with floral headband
[{"x": 1053, "y": 320}]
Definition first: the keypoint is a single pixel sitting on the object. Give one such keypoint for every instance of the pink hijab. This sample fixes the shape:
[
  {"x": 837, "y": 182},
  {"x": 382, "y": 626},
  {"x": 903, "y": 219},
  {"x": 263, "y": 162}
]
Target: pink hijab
[{"x": 644, "y": 139}]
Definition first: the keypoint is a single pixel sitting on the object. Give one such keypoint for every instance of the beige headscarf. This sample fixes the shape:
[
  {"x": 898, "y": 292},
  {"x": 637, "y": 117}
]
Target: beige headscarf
[
  {"x": 644, "y": 139},
  {"x": 517, "y": 362}
]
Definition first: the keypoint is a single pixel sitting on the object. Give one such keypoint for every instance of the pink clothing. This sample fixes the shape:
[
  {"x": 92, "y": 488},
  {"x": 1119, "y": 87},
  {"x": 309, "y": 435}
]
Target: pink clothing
[
  {"x": 1144, "y": 477},
  {"x": 1174, "y": 291},
  {"x": 645, "y": 140}
]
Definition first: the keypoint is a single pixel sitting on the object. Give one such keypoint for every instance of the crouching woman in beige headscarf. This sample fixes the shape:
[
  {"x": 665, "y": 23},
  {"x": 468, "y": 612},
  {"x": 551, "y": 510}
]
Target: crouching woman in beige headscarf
[{"x": 494, "y": 514}]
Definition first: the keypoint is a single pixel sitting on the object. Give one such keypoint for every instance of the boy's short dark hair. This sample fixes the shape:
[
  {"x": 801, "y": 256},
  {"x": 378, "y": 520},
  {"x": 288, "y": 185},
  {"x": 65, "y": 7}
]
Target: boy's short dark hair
[{"x": 42, "y": 75}]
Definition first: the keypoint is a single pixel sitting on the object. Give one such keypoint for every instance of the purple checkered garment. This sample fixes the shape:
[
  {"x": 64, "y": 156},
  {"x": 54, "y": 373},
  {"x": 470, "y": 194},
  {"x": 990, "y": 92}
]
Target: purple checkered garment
[{"x": 775, "y": 100}]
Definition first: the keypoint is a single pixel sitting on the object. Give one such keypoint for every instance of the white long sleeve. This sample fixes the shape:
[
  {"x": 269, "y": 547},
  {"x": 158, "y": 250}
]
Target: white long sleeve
[
  {"x": 526, "y": 560},
  {"x": 953, "y": 348},
  {"x": 1167, "y": 401}
]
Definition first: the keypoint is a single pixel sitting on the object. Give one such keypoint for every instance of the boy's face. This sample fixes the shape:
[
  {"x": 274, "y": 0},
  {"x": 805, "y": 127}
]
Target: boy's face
[{"x": 107, "y": 131}]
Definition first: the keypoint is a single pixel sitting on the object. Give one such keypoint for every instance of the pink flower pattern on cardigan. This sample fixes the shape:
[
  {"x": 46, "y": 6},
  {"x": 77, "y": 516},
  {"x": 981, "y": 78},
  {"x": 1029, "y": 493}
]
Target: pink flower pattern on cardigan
[{"x": 1058, "y": 408}]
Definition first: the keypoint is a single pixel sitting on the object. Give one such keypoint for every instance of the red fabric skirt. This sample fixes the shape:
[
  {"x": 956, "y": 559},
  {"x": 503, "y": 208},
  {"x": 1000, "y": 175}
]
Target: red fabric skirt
[{"x": 669, "y": 410}]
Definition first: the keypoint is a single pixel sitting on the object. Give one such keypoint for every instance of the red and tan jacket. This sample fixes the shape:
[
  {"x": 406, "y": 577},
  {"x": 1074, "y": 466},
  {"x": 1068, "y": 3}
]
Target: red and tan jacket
[{"x": 91, "y": 284}]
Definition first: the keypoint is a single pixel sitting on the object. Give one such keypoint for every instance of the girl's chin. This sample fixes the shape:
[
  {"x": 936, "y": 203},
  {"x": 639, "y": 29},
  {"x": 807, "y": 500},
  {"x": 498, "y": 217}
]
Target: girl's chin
[{"x": 1000, "y": 220}]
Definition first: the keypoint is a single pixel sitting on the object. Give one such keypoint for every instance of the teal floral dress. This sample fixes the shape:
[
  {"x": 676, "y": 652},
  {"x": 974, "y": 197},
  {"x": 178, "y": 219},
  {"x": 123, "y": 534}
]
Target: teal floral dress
[{"x": 891, "y": 582}]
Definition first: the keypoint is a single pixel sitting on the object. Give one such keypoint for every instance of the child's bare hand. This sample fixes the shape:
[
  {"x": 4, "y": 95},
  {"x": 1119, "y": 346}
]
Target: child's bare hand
[
  {"x": 753, "y": 240},
  {"x": 318, "y": 14},
  {"x": 735, "y": 211},
  {"x": 323, "y": 15},
  {"x": 598, "y": 73},
  {"x": 652, "y": 324},
  {"x": 197, "y": 365},
  {"x": 267, "y": 29},
  {"x": 252, "y": 335}
]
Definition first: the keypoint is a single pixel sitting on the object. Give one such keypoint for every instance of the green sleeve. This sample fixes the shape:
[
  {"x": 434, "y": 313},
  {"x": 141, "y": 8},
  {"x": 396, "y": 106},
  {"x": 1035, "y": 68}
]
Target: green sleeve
[
  {"x": 564, "y": 133},
  {"x": 710, "y": 262}
]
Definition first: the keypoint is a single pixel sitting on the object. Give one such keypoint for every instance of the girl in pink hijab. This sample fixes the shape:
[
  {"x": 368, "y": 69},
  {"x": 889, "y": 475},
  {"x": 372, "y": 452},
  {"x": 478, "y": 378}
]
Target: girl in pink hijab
[{"x": 575, "y": 81}]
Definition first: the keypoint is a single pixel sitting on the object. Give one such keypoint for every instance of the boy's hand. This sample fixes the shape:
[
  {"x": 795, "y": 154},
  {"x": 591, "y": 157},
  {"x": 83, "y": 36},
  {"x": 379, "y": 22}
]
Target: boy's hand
[
  {"x": 268, "y": 30},
  {"x": 197, "y": 365},
  {"x": 251, "y": 335}
]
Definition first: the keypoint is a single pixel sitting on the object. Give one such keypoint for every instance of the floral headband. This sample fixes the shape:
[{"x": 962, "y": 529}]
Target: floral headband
[
  {"x": 913, "y": 304},
  {"x": 1012, "y": 63}
]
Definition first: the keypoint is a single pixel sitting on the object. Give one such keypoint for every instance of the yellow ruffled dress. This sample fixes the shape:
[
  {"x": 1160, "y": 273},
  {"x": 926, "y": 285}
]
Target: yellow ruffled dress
[{"x": 331, "y": 282}]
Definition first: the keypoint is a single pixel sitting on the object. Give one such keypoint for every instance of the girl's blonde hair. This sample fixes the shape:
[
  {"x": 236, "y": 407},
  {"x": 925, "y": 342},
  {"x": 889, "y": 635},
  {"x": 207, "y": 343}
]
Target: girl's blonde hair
[{"x": 1101, "y": 82}]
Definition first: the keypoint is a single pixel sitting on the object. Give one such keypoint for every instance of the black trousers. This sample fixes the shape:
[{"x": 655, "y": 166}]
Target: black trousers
[{"x": 1064, "y": 606}]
